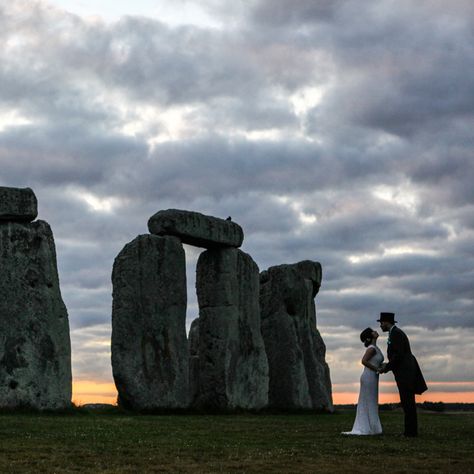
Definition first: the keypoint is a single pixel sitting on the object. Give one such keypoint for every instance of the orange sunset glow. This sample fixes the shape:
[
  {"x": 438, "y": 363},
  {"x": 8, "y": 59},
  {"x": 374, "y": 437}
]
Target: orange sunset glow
[
  {"x": 89, "y": 391},
  {"x": 345, "y": 398},
  {"x": 447, "y": 392}
]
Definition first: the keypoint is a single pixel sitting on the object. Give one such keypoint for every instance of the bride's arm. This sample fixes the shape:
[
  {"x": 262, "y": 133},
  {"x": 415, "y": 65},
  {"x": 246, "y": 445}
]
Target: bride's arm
[{"x": 369, "y": 353}]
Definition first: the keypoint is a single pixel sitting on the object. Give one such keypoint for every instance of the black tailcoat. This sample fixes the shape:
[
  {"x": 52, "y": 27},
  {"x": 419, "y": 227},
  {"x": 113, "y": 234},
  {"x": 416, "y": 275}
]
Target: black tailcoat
[{"x": 403, "y": 364}]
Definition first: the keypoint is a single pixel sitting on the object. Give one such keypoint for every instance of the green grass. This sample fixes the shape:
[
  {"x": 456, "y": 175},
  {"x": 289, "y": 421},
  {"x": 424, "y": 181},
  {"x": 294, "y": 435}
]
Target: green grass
[{"x": 116, "y": 442}]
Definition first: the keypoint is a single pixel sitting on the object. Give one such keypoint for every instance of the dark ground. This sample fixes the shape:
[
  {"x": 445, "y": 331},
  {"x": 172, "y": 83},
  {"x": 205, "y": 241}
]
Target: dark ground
[{"x": 109, "y": 441}]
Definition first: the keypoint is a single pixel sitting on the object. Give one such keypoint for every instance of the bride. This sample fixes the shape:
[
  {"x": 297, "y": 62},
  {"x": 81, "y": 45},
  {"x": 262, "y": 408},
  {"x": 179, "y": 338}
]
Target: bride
[{"x": 367, "y": 420}]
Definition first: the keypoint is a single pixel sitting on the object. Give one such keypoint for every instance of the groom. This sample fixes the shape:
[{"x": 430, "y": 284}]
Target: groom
[{"x": 405, "y": 368}]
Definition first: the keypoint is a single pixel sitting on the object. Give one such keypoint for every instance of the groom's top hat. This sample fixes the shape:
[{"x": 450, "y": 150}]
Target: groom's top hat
[{"x": 387, "y": 317}]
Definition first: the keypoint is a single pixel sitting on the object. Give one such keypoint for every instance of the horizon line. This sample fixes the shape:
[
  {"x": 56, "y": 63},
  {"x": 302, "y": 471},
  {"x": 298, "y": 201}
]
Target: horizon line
[{"x": 89, "y": 391}]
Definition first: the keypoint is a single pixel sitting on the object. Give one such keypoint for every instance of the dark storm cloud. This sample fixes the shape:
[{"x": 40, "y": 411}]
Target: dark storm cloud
[
  {"x": 61, "y": 154},
  {"x": 145, "y": 59},
  {"x": 296, "y": 13},
  {"x": 63, "y": 70},
  {"x": 268, "y": 113},
  {"x": 275, "y": 166},
  {"x": 239, "y": 165}
]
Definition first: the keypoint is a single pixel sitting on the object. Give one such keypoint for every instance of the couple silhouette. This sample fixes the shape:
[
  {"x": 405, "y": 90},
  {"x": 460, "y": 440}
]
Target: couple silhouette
[{"x": 405, "y": 369}]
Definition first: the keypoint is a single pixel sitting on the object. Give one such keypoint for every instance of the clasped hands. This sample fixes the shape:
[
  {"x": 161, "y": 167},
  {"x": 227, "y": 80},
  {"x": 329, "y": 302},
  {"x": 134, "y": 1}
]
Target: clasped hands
[{"x": 382, "y": 369}]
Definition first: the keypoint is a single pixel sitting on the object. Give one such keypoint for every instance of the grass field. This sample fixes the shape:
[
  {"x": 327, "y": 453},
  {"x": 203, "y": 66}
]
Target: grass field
[{"x": 116, "y": 442}]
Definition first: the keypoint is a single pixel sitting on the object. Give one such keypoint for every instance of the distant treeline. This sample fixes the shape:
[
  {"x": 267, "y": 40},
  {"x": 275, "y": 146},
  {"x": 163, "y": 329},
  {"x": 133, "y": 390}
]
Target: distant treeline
[{"x": 431, "y": 406}]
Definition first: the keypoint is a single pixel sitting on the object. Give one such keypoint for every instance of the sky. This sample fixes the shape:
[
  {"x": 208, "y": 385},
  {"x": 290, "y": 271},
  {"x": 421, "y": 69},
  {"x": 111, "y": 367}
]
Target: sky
[{"x": 338, "y": 131}]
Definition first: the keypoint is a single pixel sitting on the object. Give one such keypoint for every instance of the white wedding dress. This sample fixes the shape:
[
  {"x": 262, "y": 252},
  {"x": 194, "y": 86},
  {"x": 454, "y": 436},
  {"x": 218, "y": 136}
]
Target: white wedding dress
[{"x": 367, "y": 420}]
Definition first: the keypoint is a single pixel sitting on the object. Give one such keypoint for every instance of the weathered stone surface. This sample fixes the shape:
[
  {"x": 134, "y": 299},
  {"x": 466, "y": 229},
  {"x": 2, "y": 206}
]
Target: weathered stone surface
[
  {"x": 18, "y": 204},
  {"x": 299, "y": 374},
  {"x": 233, "y": 368},
  {"x": 197, "y": 229},
  {"x": 149, "y": 345},
  {"x": 193, "y": 344},
  {"x": 35, "y": 350}
]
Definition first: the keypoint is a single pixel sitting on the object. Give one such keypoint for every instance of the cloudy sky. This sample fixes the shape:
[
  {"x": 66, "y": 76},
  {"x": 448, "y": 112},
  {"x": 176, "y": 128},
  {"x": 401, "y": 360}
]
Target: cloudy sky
[{"x": 334, "y": 130}]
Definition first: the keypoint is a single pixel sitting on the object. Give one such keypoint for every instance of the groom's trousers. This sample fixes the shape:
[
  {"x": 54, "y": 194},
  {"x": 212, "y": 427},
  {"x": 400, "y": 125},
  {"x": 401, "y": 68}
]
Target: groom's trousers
[{"x": 407, "y": 400}]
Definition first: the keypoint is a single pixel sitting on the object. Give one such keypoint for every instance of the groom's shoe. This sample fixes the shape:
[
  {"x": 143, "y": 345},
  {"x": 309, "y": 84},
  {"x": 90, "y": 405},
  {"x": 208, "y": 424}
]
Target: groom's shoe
[{"x": 410, "y": 435}]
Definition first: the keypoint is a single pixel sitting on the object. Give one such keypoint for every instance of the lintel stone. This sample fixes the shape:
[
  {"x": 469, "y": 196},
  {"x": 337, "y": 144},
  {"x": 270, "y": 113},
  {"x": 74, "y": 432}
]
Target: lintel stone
[
  {"x": 197, "y": 229},
  {"x": 18, "y": 204}
]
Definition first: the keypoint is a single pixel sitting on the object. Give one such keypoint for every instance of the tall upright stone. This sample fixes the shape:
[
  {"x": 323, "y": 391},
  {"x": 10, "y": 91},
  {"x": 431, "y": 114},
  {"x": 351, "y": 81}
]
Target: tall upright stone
[
  {"x": 193, "y": 344},
  {"x": 149, "y": 344},
  {"x": 299, "y": 374},
  {"x": 35, "y": 349},
  {"x": 233, "y": 368}
]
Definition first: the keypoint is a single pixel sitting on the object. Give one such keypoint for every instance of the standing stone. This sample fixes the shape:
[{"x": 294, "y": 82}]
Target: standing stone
[
  {"x": 197, "y": 229},
  {"x": 35, "y": 349},
  {"x": 233, "y": 368},
  {"x": 299, "y": 374},
  {"x": 193, "y": 344},
  {"x": 149, "y": 345},
  {"x": 18, "y": 205}
]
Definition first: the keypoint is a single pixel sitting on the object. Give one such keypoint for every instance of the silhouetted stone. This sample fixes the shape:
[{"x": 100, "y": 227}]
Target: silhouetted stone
[
  {"x": 193, "y": 344},
  {"x": 197, "y": 229},
  {"x": 149, "y": 345},
  {"x": 299, "y": 374},
  {"x": 18, "y": 204},
  {"x": 35, "y": 350},
  {"x": 233, "y": 368}
]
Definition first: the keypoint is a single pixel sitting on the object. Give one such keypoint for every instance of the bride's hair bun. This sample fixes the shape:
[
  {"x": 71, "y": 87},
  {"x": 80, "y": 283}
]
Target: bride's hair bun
[{"x": 366, "y": 336}]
